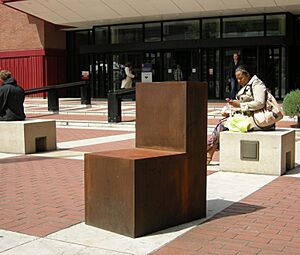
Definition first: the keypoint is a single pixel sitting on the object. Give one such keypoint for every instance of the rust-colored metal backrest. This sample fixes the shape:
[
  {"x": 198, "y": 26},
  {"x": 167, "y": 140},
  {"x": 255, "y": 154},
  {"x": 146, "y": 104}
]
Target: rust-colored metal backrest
[{"x": 160, "y": 119}]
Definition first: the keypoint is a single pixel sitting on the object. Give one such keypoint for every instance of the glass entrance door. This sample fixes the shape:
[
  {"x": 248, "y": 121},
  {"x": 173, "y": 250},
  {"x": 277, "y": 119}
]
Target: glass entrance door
[
  {"x": 135, "y": 58},
  {"x": 210, "y": 71},
  {"x": 100, "y": 76},
  {"x": 189, "y": 62},
  {"x": 273, "y": 69},
  {"x": 154, "y": 58},
  {"x": 247, "y": 56}
]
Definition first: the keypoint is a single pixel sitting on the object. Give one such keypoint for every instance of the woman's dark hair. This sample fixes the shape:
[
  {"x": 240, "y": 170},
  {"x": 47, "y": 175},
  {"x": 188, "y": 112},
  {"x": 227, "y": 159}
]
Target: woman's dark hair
[
  {"x": 128, "y": 64},
  {"x": 244, "y": 69}
]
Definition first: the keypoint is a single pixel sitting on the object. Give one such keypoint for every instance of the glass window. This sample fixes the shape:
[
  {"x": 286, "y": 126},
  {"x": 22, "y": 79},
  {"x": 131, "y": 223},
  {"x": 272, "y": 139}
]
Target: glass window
[
  {"x": 101, "y": 35},
  {"x": 275, "y": 25},
  {"x": 81, "y": 38},
  {"x": 298, "y": 29},
  {"x": 181, "y": 30},
  {"x": 283, "y": 72},
  {"x": 126, "y": 33},
  {"x": 243, "y": 26},
  {"x": 153, "y": 32},
  {"x": 210, "y": 28}
]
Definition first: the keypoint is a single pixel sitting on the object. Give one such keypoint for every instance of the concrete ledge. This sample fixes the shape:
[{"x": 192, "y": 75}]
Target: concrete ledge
[
  {"x": 28, "y": 136},
  {"x": 259, "y": 152}
]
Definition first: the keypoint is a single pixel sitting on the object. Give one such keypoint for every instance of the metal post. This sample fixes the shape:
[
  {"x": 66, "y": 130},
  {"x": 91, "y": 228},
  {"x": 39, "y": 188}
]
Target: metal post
[
  {"x": 85, "y": 92},
  {"x": 53, "y": 104},
  {"x": 114, "y": 107}
]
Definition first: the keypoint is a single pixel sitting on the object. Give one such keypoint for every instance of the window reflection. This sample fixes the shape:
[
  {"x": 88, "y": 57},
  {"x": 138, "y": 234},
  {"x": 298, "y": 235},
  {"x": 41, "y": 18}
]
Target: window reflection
[
  {"x": 181, "y": 30},
  {"x": 126, "y": 33},
  {"x": 275, "y": 25},
  {"x": 210, "y": 28},
  {"x": 153, "y": 32},
  {"x": 243, "y": 26},
  {"x": 101, "y": 35},
  {"x": 81, "y": 38},
  {"x": 298, "y": 29}
]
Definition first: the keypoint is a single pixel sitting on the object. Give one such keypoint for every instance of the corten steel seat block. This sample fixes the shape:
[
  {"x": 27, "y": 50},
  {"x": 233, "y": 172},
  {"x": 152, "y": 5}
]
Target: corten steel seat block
[
  {"x": 162, "y": 182},
  {"x": 142, "y": 190}
]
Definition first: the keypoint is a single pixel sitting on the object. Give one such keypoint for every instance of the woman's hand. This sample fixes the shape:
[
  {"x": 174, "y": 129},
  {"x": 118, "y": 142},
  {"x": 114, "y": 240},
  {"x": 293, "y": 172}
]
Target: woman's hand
[
  {"x": 234, "y": 103},
  {"x": 225, "y": 114}
]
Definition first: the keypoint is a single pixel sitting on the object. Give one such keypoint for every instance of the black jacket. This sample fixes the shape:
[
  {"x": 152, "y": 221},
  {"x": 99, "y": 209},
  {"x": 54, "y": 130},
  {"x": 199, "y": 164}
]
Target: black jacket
[
  {"x": 234, "y": 67},
  {"x": 11, "y": 101}
]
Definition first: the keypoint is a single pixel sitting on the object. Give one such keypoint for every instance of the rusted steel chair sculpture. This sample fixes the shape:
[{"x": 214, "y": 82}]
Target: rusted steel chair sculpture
[{"x": 162, "y": 182}]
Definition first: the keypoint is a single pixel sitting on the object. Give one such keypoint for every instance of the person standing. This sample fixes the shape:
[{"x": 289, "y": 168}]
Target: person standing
[
  {"x": 233, "y": 81},
  {"x": 12, "y": 98},
  {"x": 127, "y": 82},
  {"x": 178, "y": 76}
]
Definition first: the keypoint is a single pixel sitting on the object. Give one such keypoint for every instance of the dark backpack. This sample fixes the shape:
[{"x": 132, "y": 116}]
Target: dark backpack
[{"x": 122, "y": 73}]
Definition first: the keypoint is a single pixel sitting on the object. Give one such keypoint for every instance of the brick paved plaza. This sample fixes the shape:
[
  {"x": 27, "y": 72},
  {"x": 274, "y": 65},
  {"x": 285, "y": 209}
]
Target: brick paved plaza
[{"x": 42, "y": 196}]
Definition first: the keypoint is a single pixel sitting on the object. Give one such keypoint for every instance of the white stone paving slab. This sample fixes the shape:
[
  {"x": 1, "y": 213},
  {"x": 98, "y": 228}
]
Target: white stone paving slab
[
  {"x": 102, "y": 239},
  {"x": 7, "y": 155},
  {"x": 66, "y": 154},
  {"x": 97, "y": 251},
  {"x": 223, "y": 189},
  {"x": 46, "y": 247},
  {"x": 9, "y": 240},
  {"x": 97, "y": 126},
  {"x": 92, "y": 141}
]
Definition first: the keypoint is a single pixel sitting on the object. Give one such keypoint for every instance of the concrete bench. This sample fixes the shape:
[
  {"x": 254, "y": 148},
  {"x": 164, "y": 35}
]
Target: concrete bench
[
  {"x": 28, "y": 136},
  {"x": 258, "y": 152}
]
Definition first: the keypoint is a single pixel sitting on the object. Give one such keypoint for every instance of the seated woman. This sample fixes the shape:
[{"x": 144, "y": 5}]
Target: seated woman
[{"x": 251, "y": 97}]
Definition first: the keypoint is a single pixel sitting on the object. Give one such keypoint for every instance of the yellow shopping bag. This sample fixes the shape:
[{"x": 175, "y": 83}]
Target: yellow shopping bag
[{"x": 238, "y": 123}]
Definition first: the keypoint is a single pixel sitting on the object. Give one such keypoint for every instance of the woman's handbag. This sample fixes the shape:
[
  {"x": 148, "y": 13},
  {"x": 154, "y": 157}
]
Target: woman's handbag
[{"x": 266, "y": 117}]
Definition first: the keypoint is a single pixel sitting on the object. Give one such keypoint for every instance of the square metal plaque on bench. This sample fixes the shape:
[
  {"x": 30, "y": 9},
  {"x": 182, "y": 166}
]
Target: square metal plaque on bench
[{"x": 249, "y": 150}]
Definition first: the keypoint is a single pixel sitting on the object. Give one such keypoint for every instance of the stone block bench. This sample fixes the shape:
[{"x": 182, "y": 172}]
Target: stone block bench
[
  {"x": 258, "y": 152},
  {"x": 28, "y": 136}
]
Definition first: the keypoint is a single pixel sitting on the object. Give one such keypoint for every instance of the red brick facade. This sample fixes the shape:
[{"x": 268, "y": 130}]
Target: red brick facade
[{"x": 27, "y": 44}]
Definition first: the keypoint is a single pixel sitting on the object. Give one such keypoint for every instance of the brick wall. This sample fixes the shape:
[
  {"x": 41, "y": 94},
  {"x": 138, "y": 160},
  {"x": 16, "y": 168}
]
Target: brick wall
[{"x": 20, "y": 31}]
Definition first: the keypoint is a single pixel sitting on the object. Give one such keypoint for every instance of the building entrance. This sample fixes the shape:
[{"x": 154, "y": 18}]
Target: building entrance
[
  {"x": 212, "y": 65},
  {"x": 174, "y": 59}
]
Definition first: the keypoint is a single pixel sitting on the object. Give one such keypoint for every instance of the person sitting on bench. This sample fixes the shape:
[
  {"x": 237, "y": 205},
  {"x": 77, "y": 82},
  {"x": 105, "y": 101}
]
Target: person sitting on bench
[
  {"x": 251, "y": 97},
  {"x": 11, "y": 98}
]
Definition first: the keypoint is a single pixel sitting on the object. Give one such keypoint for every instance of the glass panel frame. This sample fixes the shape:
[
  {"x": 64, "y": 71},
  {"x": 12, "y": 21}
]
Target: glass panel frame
[
  {"x": 243, "y": 26},
  {"x": 181, "y": 30},
  {"x": 152, "y": 32},
  {"x": 82, "y": 37},
  {"x": 211, "y": 28},
  {"x": 283, "y": 72},
  {"x": 121, "y": 34},
  {"x": 276, "y": 25},
  {"x": 298, "y": 28},
  {"x": 101, "y": 35}
]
